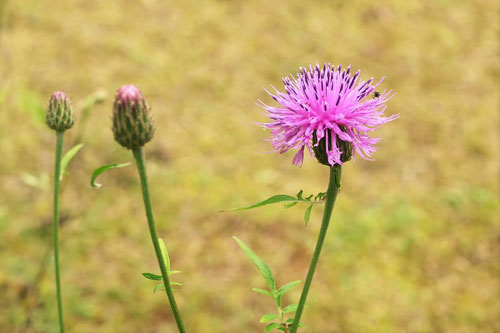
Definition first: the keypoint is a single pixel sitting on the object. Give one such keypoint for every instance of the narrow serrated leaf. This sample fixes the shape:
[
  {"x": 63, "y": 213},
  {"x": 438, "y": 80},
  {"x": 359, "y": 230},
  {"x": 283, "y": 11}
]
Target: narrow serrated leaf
[
  {"x": 272, "y": 200},
  {"x": 67, "y": 157},
  {"x": 290, "y": 308},
  {"x": 173, "y": 283},
  {"x": 307, "y": 214},
  {"x": 268, "y": 317},
  {"x": 272, "y": 326},
  {"x": 262, "y": 291},
  {"x": 100, "y": 170},
  {"x": 263, "y": 268},
  {"x": 287, "y": 287},
  {"x": 152, "y": 276},
  {"x": 164, "y": 255}
]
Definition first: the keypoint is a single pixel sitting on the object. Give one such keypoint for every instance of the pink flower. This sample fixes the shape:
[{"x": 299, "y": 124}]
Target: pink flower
[
  {"x": 128, "y": 93},
  {"x": 327, "y": 104}
]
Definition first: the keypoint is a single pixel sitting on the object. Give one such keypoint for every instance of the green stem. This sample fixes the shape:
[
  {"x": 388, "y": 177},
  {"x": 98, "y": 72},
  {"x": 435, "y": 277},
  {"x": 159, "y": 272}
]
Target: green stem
[
  {"x": 331, "y": 195},
  {"x": 139, "y": 158},
  {"x": 57, "y": 176}
]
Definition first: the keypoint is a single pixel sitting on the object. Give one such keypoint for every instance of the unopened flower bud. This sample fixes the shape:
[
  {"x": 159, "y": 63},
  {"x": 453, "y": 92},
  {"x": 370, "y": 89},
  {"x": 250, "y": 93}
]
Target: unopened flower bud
[
  {"x": 60, "y": 115},
  {"x": 132, "y": 120},
  {"x": 321, "y": 151}
]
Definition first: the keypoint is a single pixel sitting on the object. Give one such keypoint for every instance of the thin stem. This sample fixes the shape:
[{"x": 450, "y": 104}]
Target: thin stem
[
  {"x": 331, "y": 195},
  {"x": 57, "y": 176},
  {"x": 139, "y": 158}
]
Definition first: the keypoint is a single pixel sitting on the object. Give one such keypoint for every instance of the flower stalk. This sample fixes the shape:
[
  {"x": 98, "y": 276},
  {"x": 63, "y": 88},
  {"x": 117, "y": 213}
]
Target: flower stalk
[
  {"x": 57, "y": 176},
  {"x": 133, "y": 127},
  {"x": 331, "y": 196},
  {"x": 141, "y": 168},
  {"x": 59, "y": 117}
]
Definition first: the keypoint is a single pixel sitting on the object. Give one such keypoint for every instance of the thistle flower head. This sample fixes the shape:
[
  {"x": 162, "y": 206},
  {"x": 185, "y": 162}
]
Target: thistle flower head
[
  {"x": 328, "y": 111},
  {"x": 132, "y": 120},
  {"x": 60, "y": 115}
]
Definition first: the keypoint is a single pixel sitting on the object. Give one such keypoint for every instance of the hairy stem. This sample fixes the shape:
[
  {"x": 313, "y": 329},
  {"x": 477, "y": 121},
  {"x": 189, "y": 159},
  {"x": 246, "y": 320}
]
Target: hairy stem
[
  {"x": 139, "y": 158},
  {"x": 57, "y": 176},
  {"x": 331, "y": 195}
]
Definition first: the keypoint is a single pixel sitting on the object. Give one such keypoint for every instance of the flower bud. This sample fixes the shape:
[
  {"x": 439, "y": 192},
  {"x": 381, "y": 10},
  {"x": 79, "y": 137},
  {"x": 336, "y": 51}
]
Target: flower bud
[
  {"x": 132, "y": 120},
  {"x": 60, "y": 115},
  {"x": 320, "y": 150}
]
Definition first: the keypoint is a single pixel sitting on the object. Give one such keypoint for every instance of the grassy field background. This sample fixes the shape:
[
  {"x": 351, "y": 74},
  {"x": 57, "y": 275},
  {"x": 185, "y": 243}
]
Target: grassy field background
[{"x": 414, "y": 243}]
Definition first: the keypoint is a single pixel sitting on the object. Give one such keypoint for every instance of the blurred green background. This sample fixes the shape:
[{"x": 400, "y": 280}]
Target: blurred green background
[{"x": 414, "y": 243}]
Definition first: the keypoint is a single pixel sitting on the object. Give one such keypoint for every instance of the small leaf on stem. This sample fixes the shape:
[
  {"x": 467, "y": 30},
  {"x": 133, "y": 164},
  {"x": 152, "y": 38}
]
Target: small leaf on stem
[
  {"x": 268, "y": 317},
  {"x": 67, "y": 157},
  {"x": 152, "y": 276},
  {"x": 299, "y": 195},
  {"x": 100, "y": 170},
  {"x": 164, "y": 255},
  {"x": 290, "y": 205},
  {"x": 290, "y": 308},
  {"x": 263, "y": 292},
  {"x": 272, "y": 326},
  {"x": 159, "y": 287},
  {"x": 307, "y": 214},
  {"x": 263, "y": 268},
  {"x": 287, "y": 287}
]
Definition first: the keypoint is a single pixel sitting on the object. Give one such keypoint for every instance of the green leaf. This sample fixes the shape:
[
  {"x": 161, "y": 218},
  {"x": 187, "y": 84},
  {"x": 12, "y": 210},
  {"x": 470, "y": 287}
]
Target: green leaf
[
  {"x": 262, "y": 291},
  {"x": 67, "y": 157},
  {"x": 160, "y": 286},
  {"x": 173, "y": 272},
  {"x": 272, "y": 200},
  {"x": 290, "y": 321},
  {"x": 152, "y": 276},
  {"x": 100, "y": 170},
  {"x": 290, "y": 205},
  {"x": 164, "y": 255},
  {"x": 320, "y": 196},
  {"x": 307, "y": 214},
  {"x": 290, "y": 308},
  {"x": 272, "y": 326},
  {"x": 299, "y": 195},
  {"x": 268, "y": 317},
  {"x": 263, "y": 268},
  {"x": 287, "y": 287}
]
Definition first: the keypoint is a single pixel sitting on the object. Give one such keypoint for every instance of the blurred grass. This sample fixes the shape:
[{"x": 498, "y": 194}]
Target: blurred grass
[{"x": 414, "y": 244}]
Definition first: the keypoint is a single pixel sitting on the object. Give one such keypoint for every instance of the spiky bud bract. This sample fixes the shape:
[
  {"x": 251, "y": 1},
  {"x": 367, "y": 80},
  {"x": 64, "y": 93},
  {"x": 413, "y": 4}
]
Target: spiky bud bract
[
  {"x": 132, "y": 120},
  {"x": 60, "y": 115}
]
